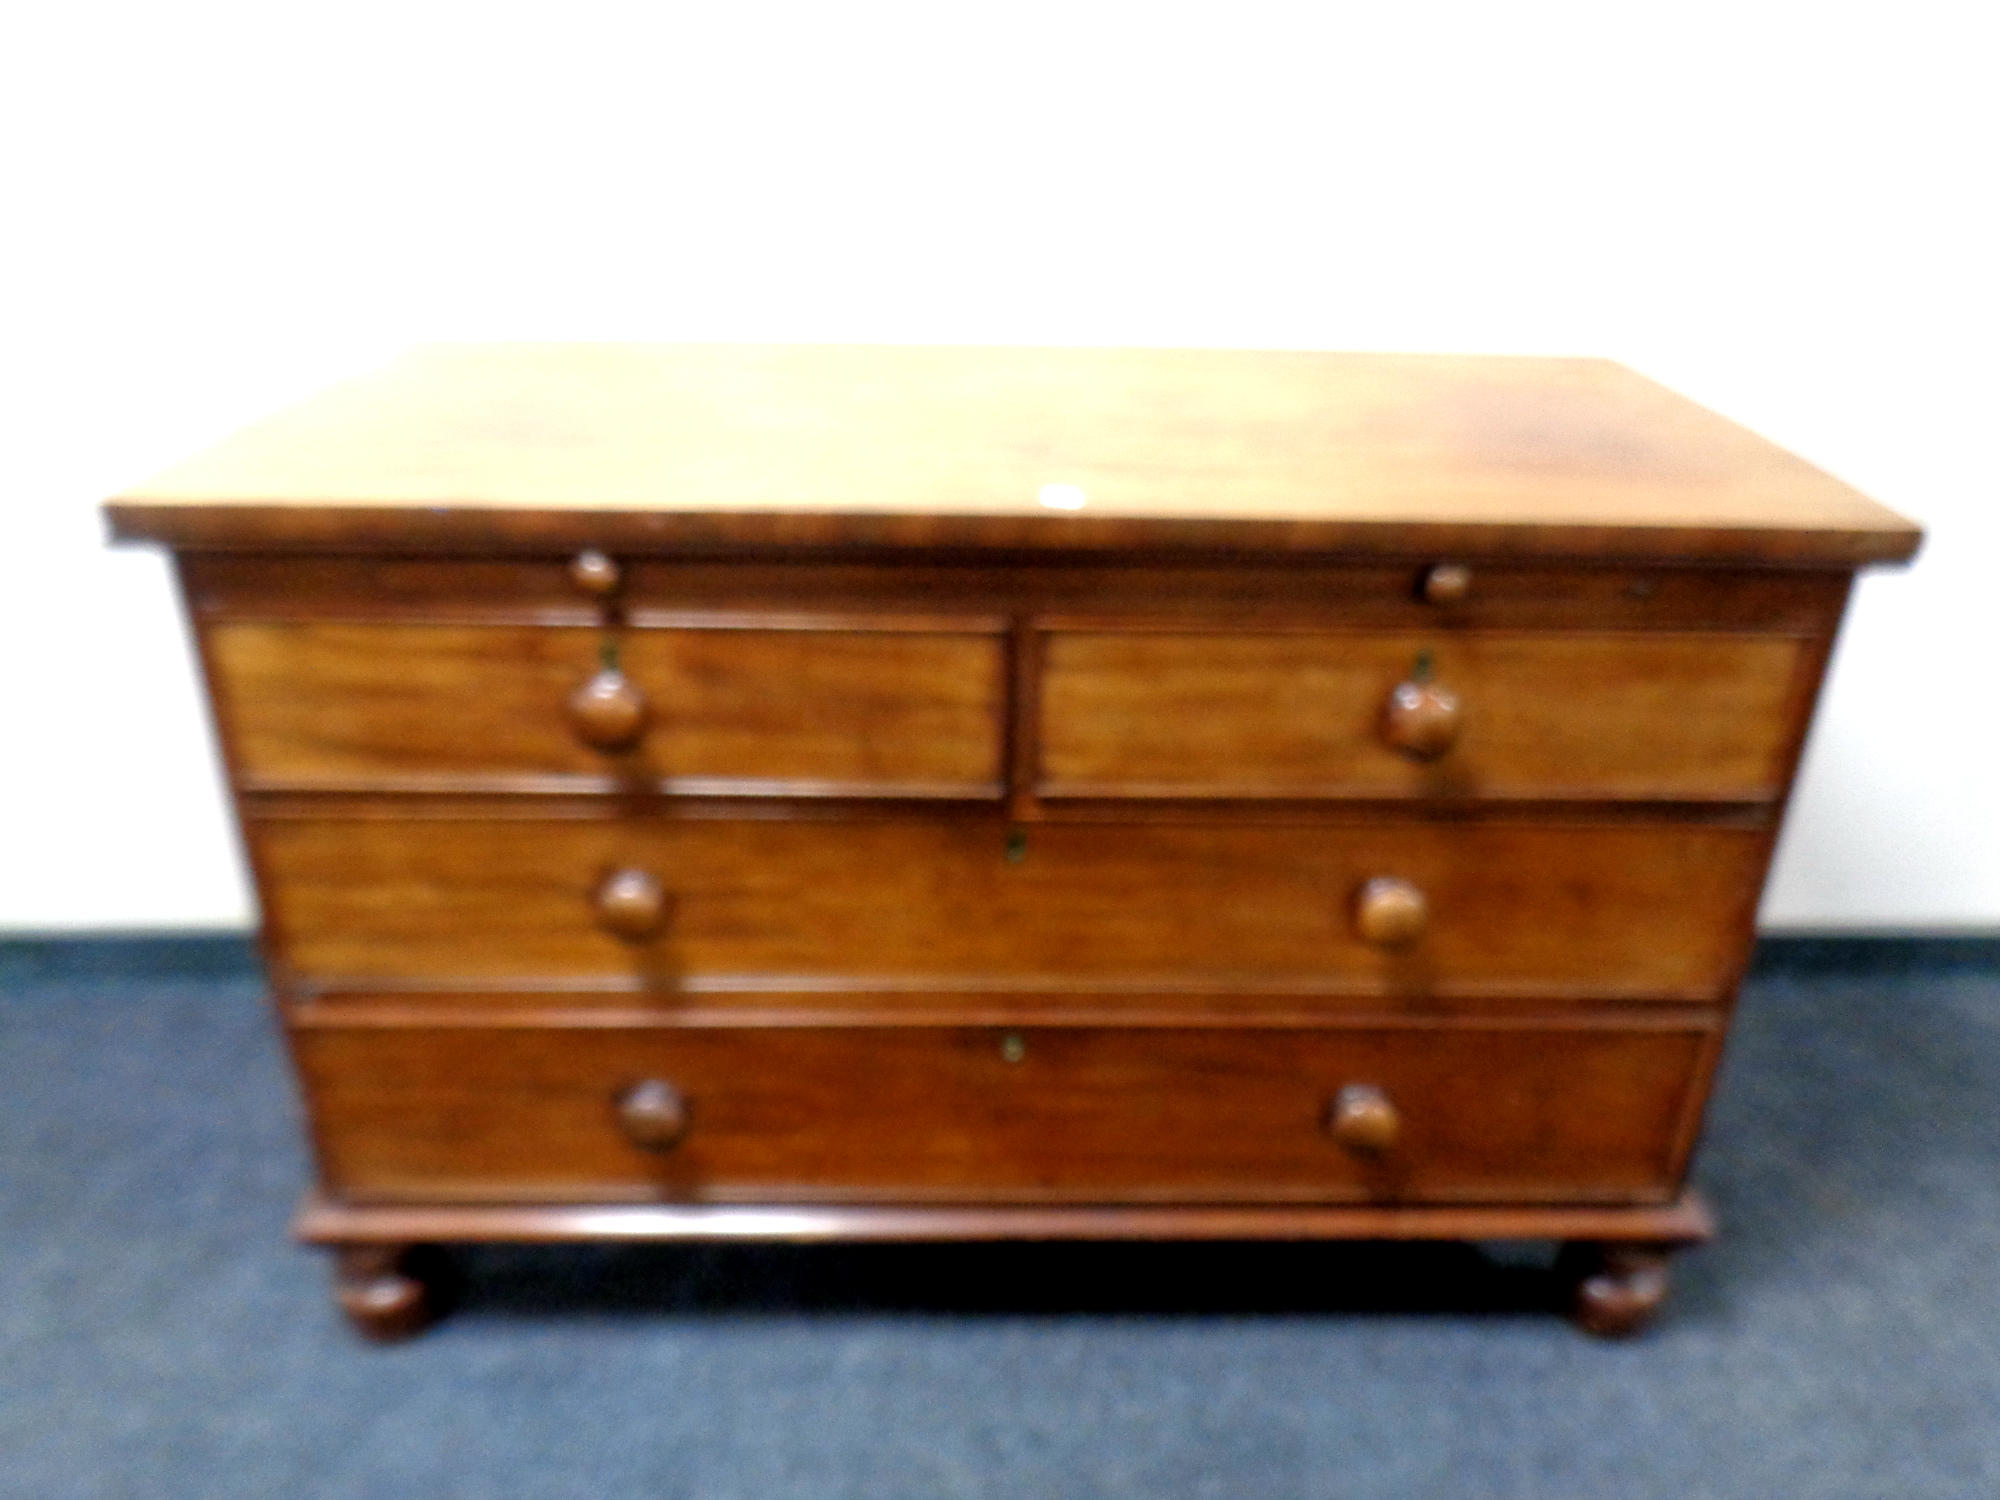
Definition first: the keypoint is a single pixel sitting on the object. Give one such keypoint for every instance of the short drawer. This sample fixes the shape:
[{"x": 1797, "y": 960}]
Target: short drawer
[
  {"x": 1433, "y": 1114},
  {"x": 1310, "y": 714},
  {"x": 726, "y": 710},
  {"x": 840, "y": 904}
]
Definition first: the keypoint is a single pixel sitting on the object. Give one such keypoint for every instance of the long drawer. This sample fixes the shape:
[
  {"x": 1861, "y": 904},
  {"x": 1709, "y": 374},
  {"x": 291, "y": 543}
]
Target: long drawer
[
  {"x": 1499, "y": 595},
  {"x": 1475, "y": 1114},
  {"x": 1307, "y": 714},
  {"x": 1444, "y": 908},
  {"x": 888, "y": 712}
]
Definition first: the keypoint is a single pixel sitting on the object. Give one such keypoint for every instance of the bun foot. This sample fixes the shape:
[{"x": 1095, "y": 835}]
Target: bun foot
[
  {"x": 388, "y": 1292},
  {"x": 1615, "y": 1289}
]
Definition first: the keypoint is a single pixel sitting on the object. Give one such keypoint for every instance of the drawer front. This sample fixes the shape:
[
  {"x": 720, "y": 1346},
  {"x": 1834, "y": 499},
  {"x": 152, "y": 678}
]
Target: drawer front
[
  {"x": 1307, "y": 714},
  {"x": 841, "y": 903},
  {"x": 868, "y": 712},
  {"x": 1250, "y": 1114},
  {"x": 1499, "y": 595}
]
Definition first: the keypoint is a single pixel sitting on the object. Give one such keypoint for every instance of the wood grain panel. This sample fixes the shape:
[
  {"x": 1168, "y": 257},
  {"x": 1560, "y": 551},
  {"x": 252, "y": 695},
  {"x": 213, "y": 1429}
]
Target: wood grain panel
[
  {"x": 1117, "y": 1115},
  {"x": 354, "y": 705},
  {"x": 1643, "y": 909},
  {"x": 1299, "y": 714},
  {"x": 692, "y": 446},
  {"x": 663, "y": 591},
  {"x": 324, "y": 1220}
]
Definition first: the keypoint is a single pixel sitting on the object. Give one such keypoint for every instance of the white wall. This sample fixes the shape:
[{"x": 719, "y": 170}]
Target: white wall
[{"x": 1784, "y": 210}]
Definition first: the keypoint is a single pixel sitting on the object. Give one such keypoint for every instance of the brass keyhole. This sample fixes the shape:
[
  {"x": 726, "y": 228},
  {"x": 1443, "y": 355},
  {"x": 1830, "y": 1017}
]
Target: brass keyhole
[{"x": 1013, "y": 1047}]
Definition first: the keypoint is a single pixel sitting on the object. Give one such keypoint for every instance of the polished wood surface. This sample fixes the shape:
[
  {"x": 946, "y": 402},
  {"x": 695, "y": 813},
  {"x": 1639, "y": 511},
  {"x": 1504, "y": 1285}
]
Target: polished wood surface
[
  {"x": 609, "y": 711},
  {"x": 1134, "y": 1115},
  {"x": 384, "y": 1290},
  {"x": 772, "y": 446},
  {"x": 1365, "y": 1120},
  {"x": 1390, "y": 912},
  {"x": 1647, "y": 909},
  {"x": 1446, "y": 583},
  {"x": 595, "y": 574},
  {"x": 1236, "y": 593},
  {"x": 652, "y": 1114},
  {"x": 1616, "y": 1289},
  {"x": 322, "y": 1220},
  {"x": 403, "y": 706},
  {"x": 1301, "y": 714},
  {"x": 735, "y": 792},
  {"x": 631, "y": 904},
  {"x": 1421, "y": 719}
]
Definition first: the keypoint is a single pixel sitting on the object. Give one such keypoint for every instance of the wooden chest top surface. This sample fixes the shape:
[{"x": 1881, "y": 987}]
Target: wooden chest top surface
[{"x": 736, "y": 446}]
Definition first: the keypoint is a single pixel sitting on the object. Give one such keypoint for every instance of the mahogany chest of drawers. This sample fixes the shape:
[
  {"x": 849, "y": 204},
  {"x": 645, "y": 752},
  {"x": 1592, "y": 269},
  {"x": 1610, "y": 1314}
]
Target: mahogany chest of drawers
[{"x": 925, "y": 793}]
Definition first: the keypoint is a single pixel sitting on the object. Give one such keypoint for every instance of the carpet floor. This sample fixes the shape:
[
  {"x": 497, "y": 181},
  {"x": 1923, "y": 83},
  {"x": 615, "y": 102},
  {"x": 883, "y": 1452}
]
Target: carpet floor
[{"x": 159, "y": 1336}]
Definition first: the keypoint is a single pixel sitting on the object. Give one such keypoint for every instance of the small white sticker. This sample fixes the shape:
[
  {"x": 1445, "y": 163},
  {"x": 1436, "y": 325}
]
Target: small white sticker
[{"x": 1062, "y": 497}]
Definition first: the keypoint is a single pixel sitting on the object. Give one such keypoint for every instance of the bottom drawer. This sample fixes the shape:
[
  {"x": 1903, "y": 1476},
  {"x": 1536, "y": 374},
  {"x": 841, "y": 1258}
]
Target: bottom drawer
[{"x": 1434, "y": 1112}]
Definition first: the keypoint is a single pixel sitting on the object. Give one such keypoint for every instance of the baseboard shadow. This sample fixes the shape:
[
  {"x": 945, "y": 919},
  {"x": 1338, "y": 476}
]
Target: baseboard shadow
[{"x": 1005, "y": 1280}]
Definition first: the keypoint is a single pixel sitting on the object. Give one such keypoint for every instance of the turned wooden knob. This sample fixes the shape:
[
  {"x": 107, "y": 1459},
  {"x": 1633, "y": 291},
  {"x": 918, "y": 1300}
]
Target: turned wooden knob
[
  {"x": 653, "y": 1115},
  {"x": 1390, "y": 913},
  {"x": 595, "y": 574},
  {"x": 1420, "y": 719},
  {"x": 1446, "y": 583},
  {"x": 631, "y": 904},
  {"x": 608, "y": 712},
  {"x": 1363, "y": 1120}
]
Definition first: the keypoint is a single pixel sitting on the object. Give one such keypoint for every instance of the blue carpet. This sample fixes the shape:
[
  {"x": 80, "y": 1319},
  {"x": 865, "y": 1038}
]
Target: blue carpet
[{"x": 159, "y": 1336}]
